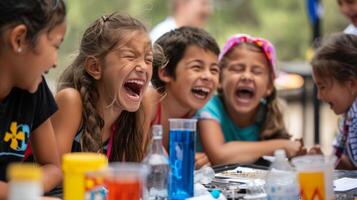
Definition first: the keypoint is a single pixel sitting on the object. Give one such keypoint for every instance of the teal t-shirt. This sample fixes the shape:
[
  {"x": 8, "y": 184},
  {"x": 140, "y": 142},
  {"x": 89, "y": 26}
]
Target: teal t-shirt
[{"x": 215, "y": 110}]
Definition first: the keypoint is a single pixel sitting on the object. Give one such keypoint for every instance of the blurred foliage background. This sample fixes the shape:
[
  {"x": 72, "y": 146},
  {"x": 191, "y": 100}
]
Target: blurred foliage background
[{"x": 283, "y": 22}]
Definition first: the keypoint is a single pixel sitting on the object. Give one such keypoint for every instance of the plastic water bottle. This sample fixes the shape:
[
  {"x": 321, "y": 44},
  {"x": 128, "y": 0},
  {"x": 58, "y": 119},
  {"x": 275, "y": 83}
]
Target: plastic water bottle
[
  {"x": 157, "y": 180},
  {"x": 281, "y": 181}
]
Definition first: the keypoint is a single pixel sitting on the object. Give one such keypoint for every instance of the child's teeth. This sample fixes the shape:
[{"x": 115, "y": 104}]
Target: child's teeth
[
  {"x": 139, "y": 82},
  {"x": 203, "y": 89}
]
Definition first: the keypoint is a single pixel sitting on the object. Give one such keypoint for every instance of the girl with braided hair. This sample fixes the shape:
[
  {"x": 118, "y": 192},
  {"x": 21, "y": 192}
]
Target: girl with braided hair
[{"x": 100, "y": 93}]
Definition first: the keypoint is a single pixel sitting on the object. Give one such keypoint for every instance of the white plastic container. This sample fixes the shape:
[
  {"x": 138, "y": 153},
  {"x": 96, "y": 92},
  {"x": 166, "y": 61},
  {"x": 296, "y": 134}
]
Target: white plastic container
[{"x": 25, "y": 182}]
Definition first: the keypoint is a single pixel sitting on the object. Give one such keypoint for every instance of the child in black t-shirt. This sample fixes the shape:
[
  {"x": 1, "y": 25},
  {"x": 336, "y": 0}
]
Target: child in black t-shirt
[{"x": 31, "y": 32}]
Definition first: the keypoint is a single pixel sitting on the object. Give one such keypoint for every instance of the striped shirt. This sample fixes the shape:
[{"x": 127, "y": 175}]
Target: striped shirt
[{"x": 347, "y": 137}]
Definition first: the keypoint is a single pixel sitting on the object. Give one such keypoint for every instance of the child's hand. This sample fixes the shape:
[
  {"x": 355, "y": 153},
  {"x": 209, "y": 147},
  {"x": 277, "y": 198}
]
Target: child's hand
[
  {"x": 293, "y": 148},
  {"x": 315, "y": 150},
  {"x": 201, "y": 160},
  {"x": 303, "y": 150}
]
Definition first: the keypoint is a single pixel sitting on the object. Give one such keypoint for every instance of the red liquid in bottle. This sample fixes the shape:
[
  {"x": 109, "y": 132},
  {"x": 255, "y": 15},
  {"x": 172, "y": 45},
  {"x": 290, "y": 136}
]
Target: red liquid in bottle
[{"x": 124, "y": 189}]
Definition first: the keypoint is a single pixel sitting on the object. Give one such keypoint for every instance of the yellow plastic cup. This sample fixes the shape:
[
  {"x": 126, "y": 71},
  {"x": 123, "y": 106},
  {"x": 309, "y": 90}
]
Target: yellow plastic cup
[{"x": 75, "y": 166}]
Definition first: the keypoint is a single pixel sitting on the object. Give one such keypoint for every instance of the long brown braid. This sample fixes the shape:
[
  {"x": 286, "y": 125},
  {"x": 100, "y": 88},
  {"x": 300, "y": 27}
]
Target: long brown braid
[{"x": 98, "y": 40}]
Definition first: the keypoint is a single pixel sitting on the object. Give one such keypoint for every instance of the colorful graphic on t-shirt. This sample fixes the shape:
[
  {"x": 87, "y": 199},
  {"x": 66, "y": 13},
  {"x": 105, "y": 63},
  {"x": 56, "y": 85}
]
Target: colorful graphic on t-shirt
[{"x": 17, "y": 136}]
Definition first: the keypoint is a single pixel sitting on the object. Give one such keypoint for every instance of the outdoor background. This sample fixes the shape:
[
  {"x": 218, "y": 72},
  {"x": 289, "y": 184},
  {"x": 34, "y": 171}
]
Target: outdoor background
[{"x": 283, "y": 22}]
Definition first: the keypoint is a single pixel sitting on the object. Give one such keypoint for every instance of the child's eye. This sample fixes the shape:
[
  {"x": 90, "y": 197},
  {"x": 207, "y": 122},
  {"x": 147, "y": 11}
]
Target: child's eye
[
  {"x": 215, "y": 70},
  {"x": 196, "y": 68},
  {"x": 129, "y": 57},
  {"x": 321, "y": 87},
  {"x": 149, "y": 59},
  {"x": 257, "y": 71},
  {"x": 236, "y": 69}
]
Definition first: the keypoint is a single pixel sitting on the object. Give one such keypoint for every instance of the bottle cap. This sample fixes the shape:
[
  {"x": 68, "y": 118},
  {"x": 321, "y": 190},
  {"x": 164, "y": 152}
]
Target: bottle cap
[
  {"x": 26, "y": 171},
  {"x": 215, "y": 193},
  {"x": 157, "y": 131},
  {"x": 83, "y": 162},
  {"x": 280, "y": 153}
]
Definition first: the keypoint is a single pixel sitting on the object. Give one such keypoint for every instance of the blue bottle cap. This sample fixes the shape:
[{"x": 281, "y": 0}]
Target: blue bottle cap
[{"x": 215, "y": 193}]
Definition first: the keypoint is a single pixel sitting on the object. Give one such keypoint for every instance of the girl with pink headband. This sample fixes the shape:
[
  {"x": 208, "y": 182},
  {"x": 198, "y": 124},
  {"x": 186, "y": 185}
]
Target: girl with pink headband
[{"x": 244, "y": 122}]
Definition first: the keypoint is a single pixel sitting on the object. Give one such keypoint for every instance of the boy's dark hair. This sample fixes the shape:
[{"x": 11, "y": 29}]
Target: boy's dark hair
[
  {"x": 336, "y": 58},
  {"x": 36, "y": 15},
  {"x": 173, "y": 45}
]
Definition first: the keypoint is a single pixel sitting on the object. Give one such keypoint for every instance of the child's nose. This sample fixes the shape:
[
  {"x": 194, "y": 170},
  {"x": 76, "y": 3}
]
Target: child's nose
[
  {"x": 141, "y": 66},
  {"x": 206, "y": 75},
  {"x": 247, "y": 75}
]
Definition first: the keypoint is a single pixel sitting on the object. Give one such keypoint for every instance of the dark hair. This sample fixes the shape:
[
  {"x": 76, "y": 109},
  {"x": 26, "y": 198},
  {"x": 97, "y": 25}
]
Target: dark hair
[
  {"x": 97, "y": 41},
  {"x": 36, "y": 15},
  {"x": 336, "y": 58},
  {"x": 346, "y": 1},
  {"x": 174, "y": 45}
]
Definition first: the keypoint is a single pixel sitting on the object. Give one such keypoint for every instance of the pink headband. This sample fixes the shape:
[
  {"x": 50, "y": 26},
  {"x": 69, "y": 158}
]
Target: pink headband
[{"x": 265, "y": 45}]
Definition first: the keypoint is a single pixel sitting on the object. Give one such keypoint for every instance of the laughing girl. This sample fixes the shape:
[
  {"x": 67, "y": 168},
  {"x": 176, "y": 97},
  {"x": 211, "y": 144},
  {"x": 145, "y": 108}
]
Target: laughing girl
[
  {"x": 243, "y": 122},
  {"x": 100, "y": 93}
]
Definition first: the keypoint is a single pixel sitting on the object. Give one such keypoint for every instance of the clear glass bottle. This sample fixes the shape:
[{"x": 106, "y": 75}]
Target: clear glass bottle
[{"x": 157, "y": 160}]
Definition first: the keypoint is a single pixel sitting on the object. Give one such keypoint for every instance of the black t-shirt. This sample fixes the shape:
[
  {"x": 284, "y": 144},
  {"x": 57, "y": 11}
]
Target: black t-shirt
[{"x": 22, "y": 112}]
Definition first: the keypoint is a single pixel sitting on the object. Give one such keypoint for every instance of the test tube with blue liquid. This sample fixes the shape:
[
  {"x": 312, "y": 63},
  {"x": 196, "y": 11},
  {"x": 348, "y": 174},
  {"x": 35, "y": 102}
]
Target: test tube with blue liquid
[{"x": 182, "y": 141}]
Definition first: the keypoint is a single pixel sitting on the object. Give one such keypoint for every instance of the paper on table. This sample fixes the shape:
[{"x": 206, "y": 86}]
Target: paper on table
[{"x": 344, "y": 184}]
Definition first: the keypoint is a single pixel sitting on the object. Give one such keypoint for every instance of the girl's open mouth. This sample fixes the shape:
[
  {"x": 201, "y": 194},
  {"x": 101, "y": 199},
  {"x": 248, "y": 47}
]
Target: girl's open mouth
[
  {"x": 245, "y": 94},
  {"x": 134, "y": 87}
]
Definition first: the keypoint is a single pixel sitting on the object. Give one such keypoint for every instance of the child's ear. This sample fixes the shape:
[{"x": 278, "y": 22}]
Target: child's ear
[
  {"x": 93, "y": 67},
  {"x": 17, "y": 38},
  {"x": 164, "y": 76},
  {"x": 270, "y": 89},
  {"x": 352, "y": 85}
]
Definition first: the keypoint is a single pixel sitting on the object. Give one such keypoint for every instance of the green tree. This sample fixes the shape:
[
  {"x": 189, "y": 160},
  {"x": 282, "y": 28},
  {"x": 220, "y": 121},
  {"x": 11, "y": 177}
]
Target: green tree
[{"x": 283, "y": 22}]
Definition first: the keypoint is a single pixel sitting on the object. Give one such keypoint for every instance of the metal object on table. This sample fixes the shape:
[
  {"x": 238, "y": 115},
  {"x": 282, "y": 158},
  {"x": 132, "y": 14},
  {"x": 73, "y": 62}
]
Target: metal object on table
[{"x": 232, "y": 189}]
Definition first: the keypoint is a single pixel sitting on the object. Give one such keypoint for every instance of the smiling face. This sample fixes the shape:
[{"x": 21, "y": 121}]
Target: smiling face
[
  {"x": 245, "y": 80},
  {"x": 127, "y": 71},
  {"x": 196, "y": 78},
  {"x": 349, "y": 9},
  {"x": 339, "y": 96},
  {"x": 33, "y": 62}
]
